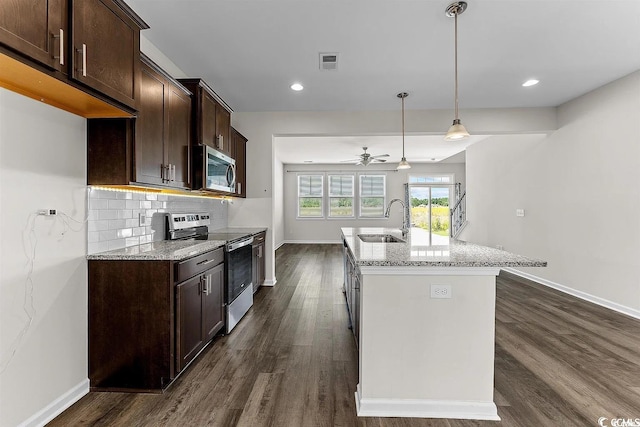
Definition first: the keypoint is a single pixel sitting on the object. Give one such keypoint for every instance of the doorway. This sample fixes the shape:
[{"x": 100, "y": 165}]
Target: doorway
[{"x": 430, "y": 209}]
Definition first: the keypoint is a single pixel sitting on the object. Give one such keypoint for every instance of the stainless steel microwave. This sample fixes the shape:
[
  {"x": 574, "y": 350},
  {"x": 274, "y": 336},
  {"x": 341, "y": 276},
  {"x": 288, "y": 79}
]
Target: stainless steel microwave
[{"x": 214, "y": 170}]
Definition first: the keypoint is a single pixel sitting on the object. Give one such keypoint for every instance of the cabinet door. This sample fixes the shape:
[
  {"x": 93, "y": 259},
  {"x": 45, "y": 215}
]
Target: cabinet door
[
  {"x": 149, "y": 134},
  {"x": 188, "y": 320},
  {"x": 355, "y": 310},
  {"x": 178, "y": 141},
  {"x": 255, "y": 258},
  {"x": 261, "y": 264},
  {"x": 213, "y": 303},
  {"x": 223, "y": 130},
  {"x": 106, "y": 45},
  {"x": 34, "y": 27},
  {"x": 240, "y": 156},
  {"x": 208, "y": 120}
]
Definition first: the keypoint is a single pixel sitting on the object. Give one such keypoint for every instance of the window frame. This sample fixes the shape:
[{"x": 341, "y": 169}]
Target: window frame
[
  {"x": 360, "y": 197},
  {"x": 321, "y": 197},
  {"x": 352, "y": 197}
]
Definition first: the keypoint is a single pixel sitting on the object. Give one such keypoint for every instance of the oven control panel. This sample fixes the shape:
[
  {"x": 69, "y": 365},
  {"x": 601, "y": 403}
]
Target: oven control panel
[{"x": 187, "y": 220}]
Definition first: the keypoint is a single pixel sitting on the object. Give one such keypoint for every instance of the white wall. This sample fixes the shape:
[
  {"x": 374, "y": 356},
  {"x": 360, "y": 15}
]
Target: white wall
[
  {"x": 278, "y": 203},
  {"x": 42, "y": 165},
  {"x": 328, "y": 230},
  {"x": 579, "y": 188}
]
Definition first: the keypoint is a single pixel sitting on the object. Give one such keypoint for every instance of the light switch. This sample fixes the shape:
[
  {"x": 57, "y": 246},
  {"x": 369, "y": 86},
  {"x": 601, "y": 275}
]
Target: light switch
[{"x": 519, "y": 212}]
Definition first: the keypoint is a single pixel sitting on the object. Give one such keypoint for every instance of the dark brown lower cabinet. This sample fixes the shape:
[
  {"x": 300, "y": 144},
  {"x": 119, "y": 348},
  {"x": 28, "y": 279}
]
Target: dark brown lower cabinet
[
  {"x": 149, "y": 319},
  {"x": 199, "y": 312}
]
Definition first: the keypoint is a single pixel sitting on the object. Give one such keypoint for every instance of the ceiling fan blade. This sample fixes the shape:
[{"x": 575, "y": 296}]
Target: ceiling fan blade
[
  {"x": 379, "y": 160},
  {"x": 349, "y": 161},
  {"x": 380, "y": 155}
]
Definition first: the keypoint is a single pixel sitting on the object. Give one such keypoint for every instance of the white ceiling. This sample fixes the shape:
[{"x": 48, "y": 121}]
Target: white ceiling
[
  {"x": 251, "y": 51},
  {"x": 336, "y": 149}
]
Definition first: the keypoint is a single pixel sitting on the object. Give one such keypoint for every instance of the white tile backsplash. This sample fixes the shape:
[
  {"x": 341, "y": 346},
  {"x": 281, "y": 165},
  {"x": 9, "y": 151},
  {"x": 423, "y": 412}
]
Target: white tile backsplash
[{"x": 114, "y": 221}]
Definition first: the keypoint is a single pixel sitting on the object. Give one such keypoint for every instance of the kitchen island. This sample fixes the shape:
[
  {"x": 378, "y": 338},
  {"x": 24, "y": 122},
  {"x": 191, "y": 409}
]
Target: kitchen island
[{"x": 425, "y": 323}]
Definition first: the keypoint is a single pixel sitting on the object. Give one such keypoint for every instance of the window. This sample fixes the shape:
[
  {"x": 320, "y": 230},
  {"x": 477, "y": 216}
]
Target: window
[
  {"x": 372, "y": 196},
  {"x": 310, "y": 196},
  {"x": 341, "y": 196},
  {"x": 431, "y": 179}
]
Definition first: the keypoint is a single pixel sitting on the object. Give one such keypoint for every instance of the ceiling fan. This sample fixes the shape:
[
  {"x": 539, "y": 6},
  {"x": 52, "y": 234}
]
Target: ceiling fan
[{"x": 366, "y": 158}]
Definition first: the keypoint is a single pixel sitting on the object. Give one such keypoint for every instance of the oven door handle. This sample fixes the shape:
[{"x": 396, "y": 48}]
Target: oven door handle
[{"x": 237, "y": 245}]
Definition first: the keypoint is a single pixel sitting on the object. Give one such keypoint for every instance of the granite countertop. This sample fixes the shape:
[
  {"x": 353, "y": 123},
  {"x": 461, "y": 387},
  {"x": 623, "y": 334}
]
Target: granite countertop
[
  {"x": 416, "y": 251},
  {"x": 174, "y": 250}
]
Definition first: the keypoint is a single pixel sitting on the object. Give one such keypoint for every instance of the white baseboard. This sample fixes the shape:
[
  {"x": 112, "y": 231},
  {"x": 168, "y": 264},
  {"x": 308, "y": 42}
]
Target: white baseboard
[
  {"x": 278, "y": 245},
  {"x": 313, "y": 242},
  {"x": 578, "y": 294},
  {"x": 58, "y": 406},
  {"x": 425, "y": 408},
  {"x": 270, "y": 282}
]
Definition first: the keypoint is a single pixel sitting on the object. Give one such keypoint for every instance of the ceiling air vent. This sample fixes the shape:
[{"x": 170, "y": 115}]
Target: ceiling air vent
[{"x": 328, "y": 61}]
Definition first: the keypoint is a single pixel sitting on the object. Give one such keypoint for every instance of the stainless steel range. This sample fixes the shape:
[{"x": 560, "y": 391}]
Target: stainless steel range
[{"x": 238, "y": 293}]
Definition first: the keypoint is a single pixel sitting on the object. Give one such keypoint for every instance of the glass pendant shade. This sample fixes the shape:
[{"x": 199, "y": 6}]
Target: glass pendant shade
[
  {"x": 456, "y": 132},
  {"x": 403, "y": 164}
]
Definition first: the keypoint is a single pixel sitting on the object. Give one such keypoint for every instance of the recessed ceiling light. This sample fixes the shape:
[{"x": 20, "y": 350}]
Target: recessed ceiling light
[
  {"x": 531, "y": 82},
  {"x": 297, "y": 87}
]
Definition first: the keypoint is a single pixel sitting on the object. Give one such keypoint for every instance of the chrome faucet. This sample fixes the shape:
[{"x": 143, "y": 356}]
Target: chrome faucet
[{"x": 405, "y": 215}]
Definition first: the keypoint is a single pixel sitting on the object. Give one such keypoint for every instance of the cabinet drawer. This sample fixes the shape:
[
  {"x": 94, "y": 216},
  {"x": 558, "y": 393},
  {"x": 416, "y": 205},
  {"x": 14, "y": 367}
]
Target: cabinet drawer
[{"x": 198, "y": 264}]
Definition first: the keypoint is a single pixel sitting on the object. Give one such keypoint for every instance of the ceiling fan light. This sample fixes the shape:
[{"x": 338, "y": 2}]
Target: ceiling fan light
[
  {"x": 456, "y": 132},
  {"x": 403, "y": 164}
]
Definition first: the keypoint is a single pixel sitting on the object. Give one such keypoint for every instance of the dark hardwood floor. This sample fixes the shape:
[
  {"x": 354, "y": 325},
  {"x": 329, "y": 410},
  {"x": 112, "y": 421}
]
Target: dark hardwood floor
[{"x": 292, "y": 362}]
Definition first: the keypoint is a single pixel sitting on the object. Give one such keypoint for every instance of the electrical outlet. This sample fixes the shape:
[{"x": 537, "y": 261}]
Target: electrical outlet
[
  {"x": 48, "y": 212},
  {"x": 500, "y": 247},
  {"x": 143, "y": 220},
  {"x": 519, "y": 212},
  {"x": 440, "y": 291}
]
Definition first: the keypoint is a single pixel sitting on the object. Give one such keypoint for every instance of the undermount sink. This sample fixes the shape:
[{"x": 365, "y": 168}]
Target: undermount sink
[{"x": 380, "y": 238}]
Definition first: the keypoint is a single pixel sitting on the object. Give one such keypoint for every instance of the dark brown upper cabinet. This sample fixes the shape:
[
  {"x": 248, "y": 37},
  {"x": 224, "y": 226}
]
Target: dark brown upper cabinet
[
  {"x": 211, "y": 117},
  {"x": 106, "y": 47},
  {"x": 162, "y": 136},
  {"x": 57, "y": 50},
  {"x": 37, "y": 29},
  {"x": 239, "y": 153},
  {"x": 153, "y": 149}
]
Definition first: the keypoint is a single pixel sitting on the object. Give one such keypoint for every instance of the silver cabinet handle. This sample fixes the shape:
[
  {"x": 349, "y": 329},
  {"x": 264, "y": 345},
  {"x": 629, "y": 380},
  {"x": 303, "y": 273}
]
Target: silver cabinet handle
[
  {"x": 83, "y": 51},
  {"x": 239, "y": 188},
  {"x": 206, "y": 281},
  {"x": 173, "y": 173},
  {"x": 221, "y": 142},
  {"x": 260, "y": 251},
  {"x": 210, "y": 286},
  {"x": 165, "y": 174},
  {"x": 84, "y": 60},
  {"x": 61, "y": 48}
]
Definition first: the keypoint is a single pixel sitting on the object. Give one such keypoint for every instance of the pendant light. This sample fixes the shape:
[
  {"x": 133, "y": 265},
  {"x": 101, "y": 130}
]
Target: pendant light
[
  {"x": 456, "y": 131},
  {"x": 403, "y": 163}
]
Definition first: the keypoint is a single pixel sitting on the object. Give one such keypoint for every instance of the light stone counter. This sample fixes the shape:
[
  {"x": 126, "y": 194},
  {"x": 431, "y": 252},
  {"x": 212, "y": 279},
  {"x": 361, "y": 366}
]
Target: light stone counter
[
  {"x": 164, "y": 250},
  {"x": 416, "y": 251},
  {"x": 176, "y": 250}
]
